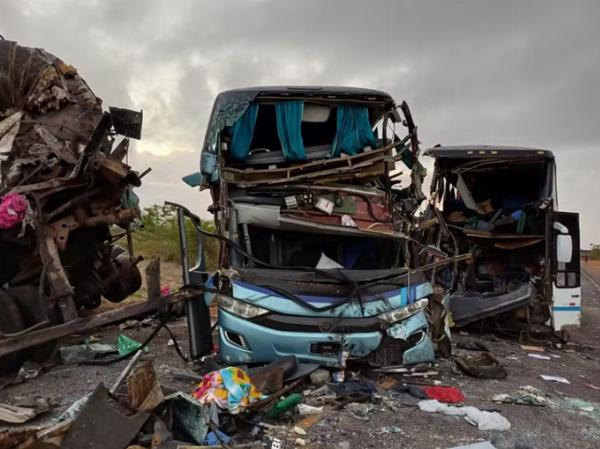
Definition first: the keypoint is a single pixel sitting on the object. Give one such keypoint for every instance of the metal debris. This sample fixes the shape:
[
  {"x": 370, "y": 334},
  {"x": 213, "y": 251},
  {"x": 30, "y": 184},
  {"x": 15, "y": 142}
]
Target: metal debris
[{"x": 66, "y": 187}]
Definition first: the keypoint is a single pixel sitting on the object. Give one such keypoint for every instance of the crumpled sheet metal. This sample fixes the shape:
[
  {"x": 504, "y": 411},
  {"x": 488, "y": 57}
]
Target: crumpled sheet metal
[
  {"x": 103, "y": 424},
  {"x": 55, "y": 152},
  {"x": 47, "y": 109}
]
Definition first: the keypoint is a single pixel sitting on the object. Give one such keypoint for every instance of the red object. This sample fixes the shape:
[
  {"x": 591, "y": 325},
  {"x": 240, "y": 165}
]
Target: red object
[
  {"x": 449, "y": 395},
  {"x": 13, "y": 208}
]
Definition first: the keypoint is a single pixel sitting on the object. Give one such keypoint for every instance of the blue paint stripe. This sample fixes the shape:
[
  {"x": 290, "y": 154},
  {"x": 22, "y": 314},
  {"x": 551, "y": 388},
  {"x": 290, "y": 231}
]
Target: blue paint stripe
[{"x": 567, "y": 308}]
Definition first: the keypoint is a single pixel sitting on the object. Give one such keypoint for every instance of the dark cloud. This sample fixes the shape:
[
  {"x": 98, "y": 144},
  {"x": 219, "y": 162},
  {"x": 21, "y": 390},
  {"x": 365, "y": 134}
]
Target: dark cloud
[{"x": 512, "y": 72}]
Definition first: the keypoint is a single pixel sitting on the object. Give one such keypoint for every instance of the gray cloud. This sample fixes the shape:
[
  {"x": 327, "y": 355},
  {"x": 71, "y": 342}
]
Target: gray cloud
[{"x": 513, "y": 72}]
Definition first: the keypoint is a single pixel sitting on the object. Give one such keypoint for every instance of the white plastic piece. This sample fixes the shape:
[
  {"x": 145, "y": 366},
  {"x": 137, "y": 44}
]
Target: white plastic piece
[
  {"x": 324, "y": 205},
  {"x": 305, "y": 410},
  {"x": 483, "y": 420},
  {"x": 559, "y": 379},
  {"x": 291, "y": 202},
  {"x": 348, "y": 221},
  {"x": 325, "y": 263}
]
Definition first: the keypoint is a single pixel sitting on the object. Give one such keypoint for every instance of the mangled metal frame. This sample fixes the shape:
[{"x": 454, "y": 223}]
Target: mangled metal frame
[
  {"x": 56, "y": 151},
  {"x": 524, "y": 308}
]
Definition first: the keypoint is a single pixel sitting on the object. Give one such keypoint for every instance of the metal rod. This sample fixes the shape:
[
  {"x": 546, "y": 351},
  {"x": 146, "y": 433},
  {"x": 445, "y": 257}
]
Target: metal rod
[
  {"x": 184, "y": 247},
  {"x": 126, "y": 371}
]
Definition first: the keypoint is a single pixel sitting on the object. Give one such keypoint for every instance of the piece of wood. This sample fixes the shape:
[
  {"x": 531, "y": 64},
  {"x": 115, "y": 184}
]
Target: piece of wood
[
  {"x": 34, "y": 338},
  {"x": 126, "y": 371},
  {"x": 528, "y": 348},
  {"x": 520, "y": 243},
  {"x": 312, "y": 170},
  {"x": 153, "y": 278},
  {"x": 16, "y": 415}
]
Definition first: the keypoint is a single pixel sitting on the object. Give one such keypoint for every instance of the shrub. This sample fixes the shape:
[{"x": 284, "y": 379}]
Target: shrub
[{"x": 158, "y": 235}]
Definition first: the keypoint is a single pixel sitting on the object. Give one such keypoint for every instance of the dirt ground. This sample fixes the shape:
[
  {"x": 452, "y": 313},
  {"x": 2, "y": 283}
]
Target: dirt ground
[{"x": 562, "y": 424}]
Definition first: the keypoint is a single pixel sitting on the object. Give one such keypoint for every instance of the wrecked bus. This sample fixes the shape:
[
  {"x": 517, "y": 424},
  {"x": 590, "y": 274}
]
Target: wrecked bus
[
  {"x": 500, "y": 204},
  {"x": 313, "y": 222}
]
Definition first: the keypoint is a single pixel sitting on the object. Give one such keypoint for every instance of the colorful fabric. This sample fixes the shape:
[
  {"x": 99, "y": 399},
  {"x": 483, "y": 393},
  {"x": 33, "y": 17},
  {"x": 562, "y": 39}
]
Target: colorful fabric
[
  {"x": 354, "y": 130},
  {"x": 288, "y": 115},
  {"x": 229, "y": 388},
  {"x": 449, "y": 395},
  {"x": 13, "y": 208},
  {"x": 243, "y": 132}
]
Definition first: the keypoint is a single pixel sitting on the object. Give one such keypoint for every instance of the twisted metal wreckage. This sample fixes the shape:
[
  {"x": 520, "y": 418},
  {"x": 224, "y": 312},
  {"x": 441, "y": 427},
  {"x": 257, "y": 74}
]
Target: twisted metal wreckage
[{"x": 63, "y": 183}]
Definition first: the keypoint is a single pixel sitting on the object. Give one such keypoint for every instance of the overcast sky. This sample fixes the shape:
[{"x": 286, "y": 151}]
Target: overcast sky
[{"x": 486, "y": 72}]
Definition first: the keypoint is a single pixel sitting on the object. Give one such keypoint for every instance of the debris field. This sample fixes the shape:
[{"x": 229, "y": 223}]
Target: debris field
[{"x": 340, "y": 315}]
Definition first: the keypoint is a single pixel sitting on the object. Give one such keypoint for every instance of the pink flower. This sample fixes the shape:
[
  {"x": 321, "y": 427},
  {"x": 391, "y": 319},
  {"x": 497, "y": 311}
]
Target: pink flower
[{"x": 165, "y": 290}]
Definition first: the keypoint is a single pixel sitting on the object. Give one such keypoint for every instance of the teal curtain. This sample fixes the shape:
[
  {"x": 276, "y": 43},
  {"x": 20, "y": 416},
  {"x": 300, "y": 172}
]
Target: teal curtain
[
  {"x": 353, "y": 130},
  {"x": 243, "y": 130},
  {"x": 289, "y": 129}
]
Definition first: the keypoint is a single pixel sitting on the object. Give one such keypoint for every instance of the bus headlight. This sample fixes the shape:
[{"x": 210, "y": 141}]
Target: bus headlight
[
  {"x": 240, "y": 308},
  {"x": 393, "y": 316}
]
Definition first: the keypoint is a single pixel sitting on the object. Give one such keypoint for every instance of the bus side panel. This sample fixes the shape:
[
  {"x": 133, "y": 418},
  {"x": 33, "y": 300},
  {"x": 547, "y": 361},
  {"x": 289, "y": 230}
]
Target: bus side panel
[{"x": 566, "y": 287}]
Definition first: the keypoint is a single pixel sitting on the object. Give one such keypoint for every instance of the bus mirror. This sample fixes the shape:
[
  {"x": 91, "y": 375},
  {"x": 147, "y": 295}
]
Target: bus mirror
[{"x": 564, "y": 248}]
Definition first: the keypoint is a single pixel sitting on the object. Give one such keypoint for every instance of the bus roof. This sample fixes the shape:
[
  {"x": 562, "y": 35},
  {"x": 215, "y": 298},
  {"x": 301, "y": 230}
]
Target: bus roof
[{"x": 487, "y": 151}]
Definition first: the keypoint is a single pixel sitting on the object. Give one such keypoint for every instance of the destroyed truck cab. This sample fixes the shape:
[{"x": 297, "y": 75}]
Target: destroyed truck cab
[
  {"x": 313, "y": 225},
  {"x": 500, "y": 203}
]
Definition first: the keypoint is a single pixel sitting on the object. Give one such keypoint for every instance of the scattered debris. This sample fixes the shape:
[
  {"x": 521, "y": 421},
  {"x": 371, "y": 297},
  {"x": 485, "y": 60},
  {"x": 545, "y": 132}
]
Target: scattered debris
[
  {"x": 190, "y": 418},
  {"x": 526, "y": 395},
  {"x": 482, "y": 419},
  {"x": 320, "y": 377},
  {"x": 284, "y": 405},
  {"x": 99, "y": 415},
  {"x": 559, "y": 379},
  {"x": 389, "y": 429},
  {"x": 216, "y": 438},
  {"x": 414, "y": 390},
  {"x": 359, "y": 411},
  {"x": 305, "y": 409},
  {"x": 449, "y": 395},
  {"x": 478, "y": 445},
  {"x": 539, "y": 356},
  {"x": 18, "y": 414},
  {"x": 230, "y": 388},
  {"x": 471, "y": 345},
  {"x": 528, "y": 348},
  {"x": 74, "y": 354},
  {"x": 29, "y": 370},
  {"x": 143, "y": 390},
  {"x": 484, "y": 366},
  {"x": 299, "y": 430},
  {"x": 422, "y": 370},
  {"x": 127, "y": 345}
]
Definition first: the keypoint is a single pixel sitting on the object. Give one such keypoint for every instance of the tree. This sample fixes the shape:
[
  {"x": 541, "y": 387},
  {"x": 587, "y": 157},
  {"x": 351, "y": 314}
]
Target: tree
[{"x": 158, "y": 235}]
